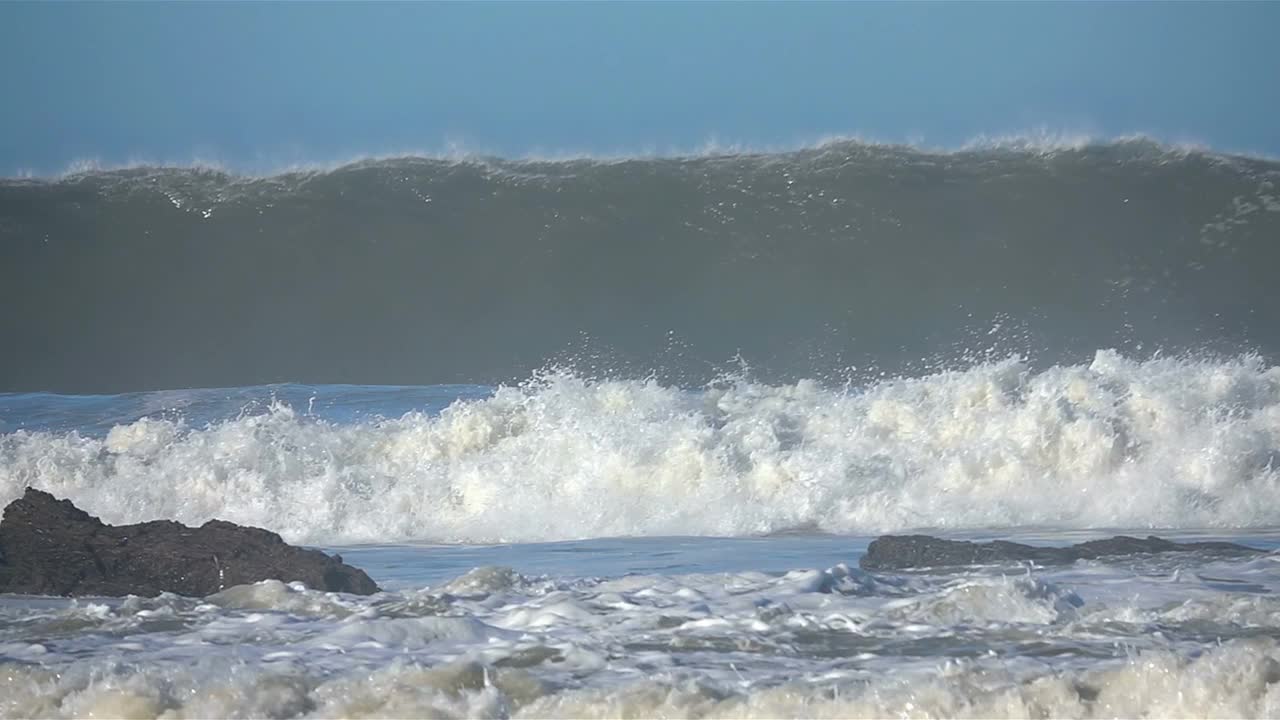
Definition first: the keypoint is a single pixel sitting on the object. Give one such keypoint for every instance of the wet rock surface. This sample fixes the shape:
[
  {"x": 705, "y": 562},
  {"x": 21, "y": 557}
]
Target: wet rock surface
[
  {"x": 901, "y": 552},
  {"x": 50, "y": 547}
]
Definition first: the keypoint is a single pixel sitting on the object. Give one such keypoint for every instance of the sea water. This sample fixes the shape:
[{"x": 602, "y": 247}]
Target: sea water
[
  {"x": 692, "y": 390},
  {"x": 574, "y": 547}
]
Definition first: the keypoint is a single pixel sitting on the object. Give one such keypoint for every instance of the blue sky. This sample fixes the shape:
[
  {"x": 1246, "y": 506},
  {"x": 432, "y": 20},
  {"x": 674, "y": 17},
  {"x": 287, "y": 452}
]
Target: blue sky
[{"x": 266, "y": 84}]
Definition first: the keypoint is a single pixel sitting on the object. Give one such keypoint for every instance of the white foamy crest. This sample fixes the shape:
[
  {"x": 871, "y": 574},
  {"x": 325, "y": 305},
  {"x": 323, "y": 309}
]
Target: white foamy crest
[
  {"x": 1036, "y": 141},
  {"x": 1116, "y": 443}
]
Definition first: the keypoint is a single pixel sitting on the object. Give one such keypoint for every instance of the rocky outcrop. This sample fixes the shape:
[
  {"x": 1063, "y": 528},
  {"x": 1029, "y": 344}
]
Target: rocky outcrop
[
  {"x": 51, "y": 547},
  {"x": 900, "y": 552}
]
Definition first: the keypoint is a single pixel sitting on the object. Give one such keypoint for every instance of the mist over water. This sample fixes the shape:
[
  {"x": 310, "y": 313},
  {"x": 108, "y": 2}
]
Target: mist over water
[{"x": 799, "y": 265}]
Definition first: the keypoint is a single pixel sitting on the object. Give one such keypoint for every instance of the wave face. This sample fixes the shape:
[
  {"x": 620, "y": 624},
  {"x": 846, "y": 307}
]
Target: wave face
[
  {"x": 1114, "y": 443},
  {"x": 802, "y": 264}
]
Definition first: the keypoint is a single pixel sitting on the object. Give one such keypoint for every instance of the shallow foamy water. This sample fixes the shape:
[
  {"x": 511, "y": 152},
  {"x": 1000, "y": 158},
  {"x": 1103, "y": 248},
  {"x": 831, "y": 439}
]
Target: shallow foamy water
[
  {"x": 726, "y": 582},
  {"x": 684, "y": 627}
]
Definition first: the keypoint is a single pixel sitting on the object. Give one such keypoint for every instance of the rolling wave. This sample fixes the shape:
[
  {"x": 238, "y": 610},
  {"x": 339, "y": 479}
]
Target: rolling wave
[{"x": 807, "y": 263}]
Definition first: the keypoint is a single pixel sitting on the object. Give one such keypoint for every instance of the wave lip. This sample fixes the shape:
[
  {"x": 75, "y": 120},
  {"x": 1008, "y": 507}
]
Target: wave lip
[{"x": 1036, "y": 142}]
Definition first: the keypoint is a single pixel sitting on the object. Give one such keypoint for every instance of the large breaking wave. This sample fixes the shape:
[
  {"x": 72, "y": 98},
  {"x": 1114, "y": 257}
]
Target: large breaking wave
[
  {"x": 1167, "y": 442},
  {"x": 802, "y": 264}
]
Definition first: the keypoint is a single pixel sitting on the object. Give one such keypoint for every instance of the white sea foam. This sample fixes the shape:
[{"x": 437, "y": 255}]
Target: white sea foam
[
  {"x": 1233, "y": 681},
  {"x": 1172, "y": 443},
  {"x": 1071, "y": 642}
]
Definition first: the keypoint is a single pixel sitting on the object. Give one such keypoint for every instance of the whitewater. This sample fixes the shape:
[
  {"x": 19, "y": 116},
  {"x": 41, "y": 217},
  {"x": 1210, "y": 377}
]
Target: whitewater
[
  {"x": 576, "y": 547},
  {"x": 612, "y": 434},
  {"x": 1163, "y": 443}
]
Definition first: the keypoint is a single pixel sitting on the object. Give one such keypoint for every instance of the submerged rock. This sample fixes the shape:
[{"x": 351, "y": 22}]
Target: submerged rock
[
  {"x": 50, "y": 547},
  {"x": 899, "y": 552}
]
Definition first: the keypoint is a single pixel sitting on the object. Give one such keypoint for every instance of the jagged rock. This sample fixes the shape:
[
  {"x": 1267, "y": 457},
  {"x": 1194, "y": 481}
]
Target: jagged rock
[
  {"x": 899, "y": 552},
  {"x": 51, "y": 547}
]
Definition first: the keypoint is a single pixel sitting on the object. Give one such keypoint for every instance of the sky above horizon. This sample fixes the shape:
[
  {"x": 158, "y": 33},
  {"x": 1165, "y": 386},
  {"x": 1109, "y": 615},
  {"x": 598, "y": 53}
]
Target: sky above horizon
[{"x": 262, "y": 85}]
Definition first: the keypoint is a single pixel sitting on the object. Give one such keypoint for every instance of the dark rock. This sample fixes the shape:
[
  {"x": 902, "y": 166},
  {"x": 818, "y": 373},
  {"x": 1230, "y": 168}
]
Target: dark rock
[
  {"x": 898, "y": 552},
  {"x": 51, "y": 547}
]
